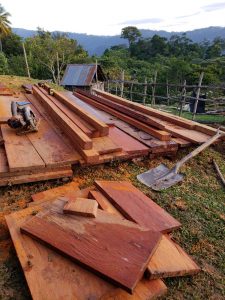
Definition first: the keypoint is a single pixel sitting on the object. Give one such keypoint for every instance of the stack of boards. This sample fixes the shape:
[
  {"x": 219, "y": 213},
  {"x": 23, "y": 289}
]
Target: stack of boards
[
  {"x": 87, "y": 129},
  {"x": 122, "y": 251}
]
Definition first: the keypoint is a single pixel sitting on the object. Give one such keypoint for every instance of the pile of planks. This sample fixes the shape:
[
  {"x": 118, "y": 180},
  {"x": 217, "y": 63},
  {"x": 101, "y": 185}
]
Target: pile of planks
[
  {"x": 108, "y": 241},
  {"x": 87, "y": 129}
]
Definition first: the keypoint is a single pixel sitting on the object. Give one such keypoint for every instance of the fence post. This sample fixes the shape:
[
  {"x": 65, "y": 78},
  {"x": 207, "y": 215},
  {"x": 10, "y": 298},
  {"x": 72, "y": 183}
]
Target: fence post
[
  {"x": 122, "y": 83},
  {"x": 153, "y": 88},
  {"x": 131, "y": 89},
  {"x": 197, "y": 95},
  {"x": 167, "y": 92},
  {"x": 183, "y": 98},
  {"x": 145, "y": 91},
  {"x": 116, "y": 87},
  {"x": 25, "y": 57}
]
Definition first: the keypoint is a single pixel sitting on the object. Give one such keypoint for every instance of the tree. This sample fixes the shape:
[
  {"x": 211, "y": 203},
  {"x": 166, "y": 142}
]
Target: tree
[
  {"x": 5, "y": 28},
  {"x": 131, "y": 33}
]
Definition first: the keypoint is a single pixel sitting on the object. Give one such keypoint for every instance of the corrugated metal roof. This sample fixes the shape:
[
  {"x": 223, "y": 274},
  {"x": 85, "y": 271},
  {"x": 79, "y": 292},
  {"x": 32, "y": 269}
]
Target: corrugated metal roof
[{"x": 79, "y": 75}]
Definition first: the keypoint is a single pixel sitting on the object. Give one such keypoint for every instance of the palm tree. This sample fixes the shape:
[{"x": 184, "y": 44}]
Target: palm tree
[{"x": 5, "y": 28}]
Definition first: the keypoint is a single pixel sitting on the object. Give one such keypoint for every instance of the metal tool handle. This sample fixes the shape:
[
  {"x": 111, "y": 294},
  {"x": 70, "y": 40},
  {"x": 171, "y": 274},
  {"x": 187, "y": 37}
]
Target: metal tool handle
[{"x": 198, "y": 150}]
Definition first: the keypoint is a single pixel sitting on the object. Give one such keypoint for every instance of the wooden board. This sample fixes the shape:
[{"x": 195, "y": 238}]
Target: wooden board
[
  {"x": 126, "y": 142},
  {"x": 86, "y": 241},
  {"x": 104, "y": 203},
  {"x": 104, "y": 145},
  {"x": 160, "y": 134},
  {"x": 20, "y": 152},
  {"x": 136, "y": 206},
  {"x": 4, "y": 168},
  {"x": 74, "y": 132},
  {"x": 55, "y": 192},
  {"x": 81, "y": 207},
  {"x": 34, "y": 177},
  {"x": 170, "y": 260},
  {"x": 51, "y": 276}
]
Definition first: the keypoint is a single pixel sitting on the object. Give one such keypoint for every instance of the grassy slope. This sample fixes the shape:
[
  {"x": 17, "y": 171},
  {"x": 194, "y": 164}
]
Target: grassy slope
[{"x": 198, "y": 203}]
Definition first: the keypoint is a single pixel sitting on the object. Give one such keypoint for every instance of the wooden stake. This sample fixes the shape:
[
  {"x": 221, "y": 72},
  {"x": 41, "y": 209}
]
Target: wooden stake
[
  {"x": 25, "y": 57},
  {"x": 153, "y": 88},
  {"x": 197, "y": 95},
  {"x": 167, "y": 92},
  {"x": 183, "y": 98},
  {"x": 131, "y": 91},
  {"x": 145, "y": 91},
  {"x": 122, "y": 84}
]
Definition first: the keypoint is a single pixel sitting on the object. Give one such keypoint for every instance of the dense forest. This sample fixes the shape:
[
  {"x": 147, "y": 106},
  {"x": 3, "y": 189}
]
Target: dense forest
[{"x": 175, "y": 59}]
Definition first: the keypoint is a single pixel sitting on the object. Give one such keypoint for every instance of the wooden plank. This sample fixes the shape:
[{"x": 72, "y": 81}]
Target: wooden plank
[
  {"x": 73, "y": 236},
  {"x": 34, "y": 177},
  {"x": 81, "y": 207},
  {"x": 170, "y": 260},
  {"x": 126, "y": 142},
  {"x": 55, "y": 192},
  {"x": 104, "y": 203},
  {"x": 82, "y": 124},
  {"x": 20, "y": 152},
  {"x": 51, "y": 276},
  {"x": 4, "y": 168},
  {"x": 147, "y": 110},
  {"x": 181, "y": 142},
  {"x": 101, "y": 126},
  {"x": 74, "y": 132},
  {"x": 104, "y": 145},
  {"x": 136, "y": 206},
  {"x": 160, "y": 134}
]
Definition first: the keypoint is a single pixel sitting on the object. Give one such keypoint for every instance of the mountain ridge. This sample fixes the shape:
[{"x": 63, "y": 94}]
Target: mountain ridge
[{"x": 96, "y": 44}]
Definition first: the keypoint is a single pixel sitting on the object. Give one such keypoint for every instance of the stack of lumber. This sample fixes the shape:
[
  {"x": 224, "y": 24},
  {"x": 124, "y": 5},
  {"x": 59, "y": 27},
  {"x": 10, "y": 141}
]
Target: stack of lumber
[
  {"x": 4, "y": 90},
  {"x": 121, "y": 252}
]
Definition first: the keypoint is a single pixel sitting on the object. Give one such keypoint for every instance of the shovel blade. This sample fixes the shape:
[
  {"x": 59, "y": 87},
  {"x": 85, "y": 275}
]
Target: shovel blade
[{"x": 154, "y": 178}]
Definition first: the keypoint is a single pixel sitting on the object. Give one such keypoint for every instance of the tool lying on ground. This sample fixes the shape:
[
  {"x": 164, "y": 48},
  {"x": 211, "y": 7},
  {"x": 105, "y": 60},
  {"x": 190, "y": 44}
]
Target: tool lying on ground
[
  {"x": 161, "y": 177},
  {"x": 219, "y": 172},
  {"x": 23, "y": 118}
]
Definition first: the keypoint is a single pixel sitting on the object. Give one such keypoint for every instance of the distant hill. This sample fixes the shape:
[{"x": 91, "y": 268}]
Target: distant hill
[{"x": 96, "y": 44}]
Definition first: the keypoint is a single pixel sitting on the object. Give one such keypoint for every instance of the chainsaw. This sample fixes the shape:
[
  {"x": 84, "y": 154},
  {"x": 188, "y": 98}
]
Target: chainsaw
[{"x": 23, "y": 118}]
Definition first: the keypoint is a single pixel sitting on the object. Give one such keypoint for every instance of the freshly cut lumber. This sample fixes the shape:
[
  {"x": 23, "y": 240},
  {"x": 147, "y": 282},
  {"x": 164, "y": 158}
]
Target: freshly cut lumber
[
  {"x": 88, "y": 129},
  {"x": 126, "y": 142},
  {"x": 3, "y": 120},
  {"x": 136, "y": 206},
  {"x": 147, "y": 110},
  {"x": 98, "y": 124},
  {"x": 41, "y": 267},
  {"x": 160, "y": 134},
  {"x": 106, "y": 144},
  {"x": 81, "y": 207},
  {"x": 20, "y": 152},
  {"x": 181, "y": 142},
  {"x": 40, "y": 176},
  {"x": 104, "y": 203},
  {"x": 75, "y": 133},
  {"x": 55, "y": 192},
  {"x": 4, "y": 168},
  {"x": 73, "y": 236},
  {"x": 170, "y": 260},
  {"x": 146, "y": 289}
]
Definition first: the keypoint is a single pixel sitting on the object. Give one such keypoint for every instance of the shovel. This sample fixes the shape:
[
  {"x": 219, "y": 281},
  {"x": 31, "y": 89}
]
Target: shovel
[{"x": 161, "y": 177}]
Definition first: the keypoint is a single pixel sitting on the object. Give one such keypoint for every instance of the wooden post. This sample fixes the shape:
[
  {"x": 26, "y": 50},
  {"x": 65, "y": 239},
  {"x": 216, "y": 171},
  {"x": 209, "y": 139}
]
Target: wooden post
[
  {"x": 197, "y": 95},
  {"x": 153, "y": 88},
  {"x": 108, "y": 88},
  {"x": 145, "y": 91},
  {"x": 58, "y": 72},
  {"x": 122, "y": 84},
  {"x": 167, "y": 92},
  {"x": 131, "y": 91},
  {"x": 25, "y": 57},
  {"x": 116, "y": 87},
  {"x": 96, "y": 69},
  {"x": 183, "y": 98}
]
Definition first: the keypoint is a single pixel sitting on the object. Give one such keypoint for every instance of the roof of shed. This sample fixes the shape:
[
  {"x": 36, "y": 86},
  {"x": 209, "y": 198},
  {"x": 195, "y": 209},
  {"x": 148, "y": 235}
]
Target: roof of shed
[{"x": 80, "y": 74}]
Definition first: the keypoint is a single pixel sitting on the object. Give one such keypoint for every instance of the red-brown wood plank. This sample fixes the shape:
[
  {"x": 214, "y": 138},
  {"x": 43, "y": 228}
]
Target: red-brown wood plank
[
  {"x": 51, "y": 276},
  {"x": 87, "y": 242},
  {"x": 136, "y": 206}
]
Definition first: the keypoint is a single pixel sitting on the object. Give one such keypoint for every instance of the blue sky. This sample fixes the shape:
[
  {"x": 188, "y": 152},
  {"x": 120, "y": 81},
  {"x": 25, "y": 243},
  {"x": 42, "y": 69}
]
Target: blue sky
[{"x": 103, "y": 17}]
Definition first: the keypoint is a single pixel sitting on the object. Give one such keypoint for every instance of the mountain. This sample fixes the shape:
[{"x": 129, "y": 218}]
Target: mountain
[{"x": 96, "y": 44}]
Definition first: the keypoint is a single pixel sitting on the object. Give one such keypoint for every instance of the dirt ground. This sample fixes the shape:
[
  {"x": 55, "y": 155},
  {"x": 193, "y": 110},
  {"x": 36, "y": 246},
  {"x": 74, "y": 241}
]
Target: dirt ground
[{"x": 198, "y": 203}]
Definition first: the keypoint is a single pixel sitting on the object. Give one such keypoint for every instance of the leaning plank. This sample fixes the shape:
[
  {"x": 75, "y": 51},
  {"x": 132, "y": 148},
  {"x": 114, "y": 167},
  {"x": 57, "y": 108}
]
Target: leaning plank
[
  {"x": 20, "y": 152},
  {"x": 41, "y": 267},
  {"x": 75, "y": 133},
  {"x": 81, "y": 207},
  {"x": 73, "y": 236},
  {"x": 101, "y": 126},
  {"x": 160, "y": 134},
  {"x": 170, "y": 260},
  {"x": 136, "y": 206},
  {"x": 40, "y": 176},
  {"x": 147, "y": 110}
]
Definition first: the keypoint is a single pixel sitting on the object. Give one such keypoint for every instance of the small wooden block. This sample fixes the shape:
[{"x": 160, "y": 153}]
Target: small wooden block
[{"x": 82, "y": 207}]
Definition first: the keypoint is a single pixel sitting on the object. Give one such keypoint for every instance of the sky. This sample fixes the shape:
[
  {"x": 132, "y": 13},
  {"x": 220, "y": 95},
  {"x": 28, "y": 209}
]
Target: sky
[{"x": 102, "y": 17}]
